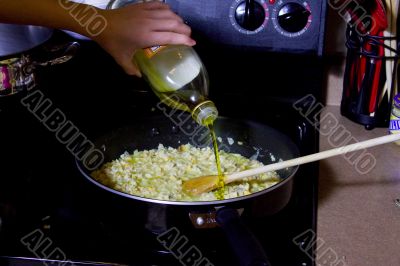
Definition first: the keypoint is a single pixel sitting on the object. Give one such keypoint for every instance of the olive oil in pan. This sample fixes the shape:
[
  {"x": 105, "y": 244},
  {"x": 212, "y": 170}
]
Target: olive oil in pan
[
  {"x": 220, "y": 192},
  {"x": 203, "y": 112}
]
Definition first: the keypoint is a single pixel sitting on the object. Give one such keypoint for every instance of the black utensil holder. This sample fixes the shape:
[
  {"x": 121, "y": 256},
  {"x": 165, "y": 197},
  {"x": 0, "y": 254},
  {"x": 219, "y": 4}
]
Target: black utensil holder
[{"x": 357, "y": 97}]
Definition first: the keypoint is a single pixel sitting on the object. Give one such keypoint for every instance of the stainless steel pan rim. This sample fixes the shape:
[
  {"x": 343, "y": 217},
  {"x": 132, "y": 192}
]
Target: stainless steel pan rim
[{"x": 16, "y": 39}]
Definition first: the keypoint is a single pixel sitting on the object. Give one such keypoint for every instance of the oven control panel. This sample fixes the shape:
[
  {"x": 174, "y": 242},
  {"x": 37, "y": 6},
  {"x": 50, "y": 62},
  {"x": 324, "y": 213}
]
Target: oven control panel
[{"x": 270, "y": 25}]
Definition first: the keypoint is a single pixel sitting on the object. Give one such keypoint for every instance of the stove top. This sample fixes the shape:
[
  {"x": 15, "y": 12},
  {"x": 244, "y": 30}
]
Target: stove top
[{"x": 49, "y": 213}]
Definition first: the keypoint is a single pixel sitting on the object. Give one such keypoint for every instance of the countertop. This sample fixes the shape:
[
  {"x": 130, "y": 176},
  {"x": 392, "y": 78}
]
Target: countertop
[{"x": 358, "y": 219}]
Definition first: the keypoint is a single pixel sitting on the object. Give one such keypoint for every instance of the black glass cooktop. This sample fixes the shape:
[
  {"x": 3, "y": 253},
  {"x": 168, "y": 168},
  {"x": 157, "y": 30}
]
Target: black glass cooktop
[{"x": 50, "y": 214}]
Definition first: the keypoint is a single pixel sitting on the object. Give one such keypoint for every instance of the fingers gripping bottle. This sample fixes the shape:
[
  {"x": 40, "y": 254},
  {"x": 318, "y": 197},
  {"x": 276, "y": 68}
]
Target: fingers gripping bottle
[{"x": 178, "y": 77}]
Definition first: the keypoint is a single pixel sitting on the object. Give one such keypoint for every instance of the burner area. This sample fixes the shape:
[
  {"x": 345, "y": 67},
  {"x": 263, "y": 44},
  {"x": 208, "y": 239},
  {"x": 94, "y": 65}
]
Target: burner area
[
  {"x": 84, "y": 226},
  {"x": 55, "y": 213},
  {"x": 50, "y": 214}
]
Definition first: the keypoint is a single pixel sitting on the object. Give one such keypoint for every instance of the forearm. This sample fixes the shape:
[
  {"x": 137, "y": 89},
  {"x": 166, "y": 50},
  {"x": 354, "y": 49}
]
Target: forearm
[
  {"x": 119, "y": 31},
  {"x": 60, "y": 14}
]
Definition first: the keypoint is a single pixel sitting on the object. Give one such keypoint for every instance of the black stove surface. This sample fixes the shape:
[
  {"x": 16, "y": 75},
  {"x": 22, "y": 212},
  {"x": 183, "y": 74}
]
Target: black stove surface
[{"x": 50, "y": 214}]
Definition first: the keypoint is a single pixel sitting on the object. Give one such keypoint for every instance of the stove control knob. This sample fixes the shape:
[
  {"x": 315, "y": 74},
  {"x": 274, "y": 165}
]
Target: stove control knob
[
  {"x": 250, "y": 15},
  {"x": 293, "y": 17}
]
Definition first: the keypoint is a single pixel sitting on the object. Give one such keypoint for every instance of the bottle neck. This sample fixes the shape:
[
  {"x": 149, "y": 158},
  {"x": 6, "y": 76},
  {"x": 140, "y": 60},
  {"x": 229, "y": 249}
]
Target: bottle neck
[{"x": 205, "y": 113}]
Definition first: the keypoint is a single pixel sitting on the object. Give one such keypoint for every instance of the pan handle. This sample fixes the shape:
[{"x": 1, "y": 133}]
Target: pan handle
[{"x": 242, "y": 241}]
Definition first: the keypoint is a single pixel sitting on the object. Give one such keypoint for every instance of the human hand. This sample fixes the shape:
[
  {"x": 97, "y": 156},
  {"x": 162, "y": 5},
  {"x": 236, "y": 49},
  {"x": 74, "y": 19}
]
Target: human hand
[{"x": 139, "y": 26}]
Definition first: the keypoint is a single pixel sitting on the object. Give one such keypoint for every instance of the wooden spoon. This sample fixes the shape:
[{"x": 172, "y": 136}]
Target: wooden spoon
[{"x": 202, "y": 184}]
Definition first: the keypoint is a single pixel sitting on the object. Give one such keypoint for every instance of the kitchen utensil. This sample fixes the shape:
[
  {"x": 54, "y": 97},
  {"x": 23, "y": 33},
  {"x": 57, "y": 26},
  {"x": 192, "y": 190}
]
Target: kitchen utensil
[
  {"x": 389, "y": 64},
  {"x": 18, "y": 73},
  {"x": 364, "y": 82},
  {"x": 379, "y": 15},
  {"x": 21, "y": 53},
  {"x": 372, "y": 66},
  {"x": 367, "y": 69},
  {"x": 395, "y": 11},
  {"x": 203, "y": 184},
  {"x": 257, "y": 139}
]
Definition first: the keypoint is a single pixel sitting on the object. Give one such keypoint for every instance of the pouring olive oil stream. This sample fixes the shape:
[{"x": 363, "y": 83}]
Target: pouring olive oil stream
[{"x": 178, "y": 77}]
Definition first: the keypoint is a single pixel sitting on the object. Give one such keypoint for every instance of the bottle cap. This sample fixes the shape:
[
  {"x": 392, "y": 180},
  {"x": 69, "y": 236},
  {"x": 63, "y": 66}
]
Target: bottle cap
[{"x": 205, "y": 113}]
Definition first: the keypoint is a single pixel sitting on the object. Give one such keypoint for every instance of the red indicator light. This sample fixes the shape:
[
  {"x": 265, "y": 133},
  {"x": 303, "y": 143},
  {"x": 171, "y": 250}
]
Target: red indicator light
[{"x": 271, "y": 2}]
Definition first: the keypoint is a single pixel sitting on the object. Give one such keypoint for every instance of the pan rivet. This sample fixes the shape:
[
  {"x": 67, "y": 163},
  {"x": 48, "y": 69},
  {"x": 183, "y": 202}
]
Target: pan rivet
[{"x": 200, "y": 221}]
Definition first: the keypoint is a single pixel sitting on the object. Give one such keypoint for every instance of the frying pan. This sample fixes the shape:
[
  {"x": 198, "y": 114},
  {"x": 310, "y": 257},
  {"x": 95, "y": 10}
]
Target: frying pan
[{"x": 251, "y": 139}]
